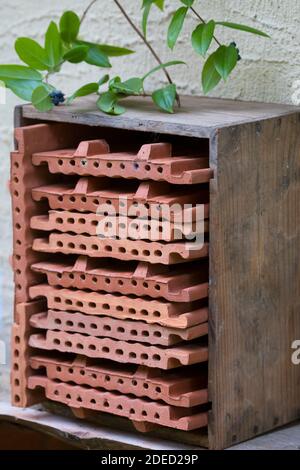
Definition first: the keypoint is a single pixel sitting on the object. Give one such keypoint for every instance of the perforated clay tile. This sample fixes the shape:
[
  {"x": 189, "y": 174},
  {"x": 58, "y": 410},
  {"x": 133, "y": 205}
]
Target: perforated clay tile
[
  {"x": 127, "y": 250},
  {"x": 153, "y": 161},
  {"x": 136, "y": 409},
  {"x": 184, "y": 388},
  {"x": 116, "y": 329},
  {"x": 89, "y": 194},
  {"x": 175, "y": 315},
  {"x": 121, "y": 351},
  {"x": 107, "y": 226},
  {"x": 185, "y": 283}
]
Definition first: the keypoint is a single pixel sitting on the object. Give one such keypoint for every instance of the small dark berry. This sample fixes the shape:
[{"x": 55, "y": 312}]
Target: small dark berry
[
  {"x": 239, "y": 58},
  {"x": 233, "y": 44},
  {"x": 57, "y": 97}
]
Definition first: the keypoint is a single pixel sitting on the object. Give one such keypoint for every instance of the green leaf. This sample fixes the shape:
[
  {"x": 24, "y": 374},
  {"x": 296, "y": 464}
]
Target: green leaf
[
  {"x": 22, "y": 88},
  {"x": 77, "y": 54},
  {"x": 41, "y": 99},
  {"x": 114, "y": 51},
  {"x": 202, "y": 37},
  {"x": 226, "y": 58},
  {"x": 165, "y": 98},
  {"x": 163, "y": 66},
  {"x": 147, "y": 4},
  {"x": 176, "y": 26},
  {"x": 188, "y": 3},
  {"x": 95, "y": 55},
  {"x": 210, "y": 76},
  {"x": 108, "y": 103},
  {"x": 85, "y": 90},
  {"x": 242, "y": 27},
  {"x": 19, "y": 72},
  {"x": 53, "y": 45},
  {"x": 133, "y": 86},
  {"x": 69, "y": 26},
  {"x": 32, "y": 53},
  {"x": 103, "y": 80}
]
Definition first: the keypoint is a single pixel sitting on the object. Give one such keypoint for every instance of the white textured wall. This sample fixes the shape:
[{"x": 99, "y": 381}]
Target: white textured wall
[{"x": 267, "y": 72}]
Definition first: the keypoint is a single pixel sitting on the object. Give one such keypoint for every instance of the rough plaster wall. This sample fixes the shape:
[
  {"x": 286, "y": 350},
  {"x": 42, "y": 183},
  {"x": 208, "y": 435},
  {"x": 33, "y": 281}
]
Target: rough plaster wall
[{"x": 267, "y": 72}]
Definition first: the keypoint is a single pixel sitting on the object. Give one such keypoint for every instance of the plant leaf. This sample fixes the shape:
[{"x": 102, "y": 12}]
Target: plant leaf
[
  {"x": 85, "y": 90},
  {"x": 188, "y": 3},
  {"x": 133, "y": 86},
  {"x": 103, "y": 80},
  {"x": 114, "y": 51},
  {"x": 41, "y": 99},
  {"x": 176, "y": 26},
  {"x": 32, "y": 53},
  {"x": 22, "y": 88},
  {"x": 53, "y": 45},
  {"x": 165, "y": 98},
  {"x": 242, "y": 27},
  {"x": 95, "y": 55},
  {"x": 19, "y": 72},
  {"x": 77, "y": 54},
  {"x": 69, "y": 26},
  {"x": 202, "y": 37},
  {"x": 108, "y": 103},
  {"x": 163, "y": 66},
  {"x": 210, "y": 76},
  {"x": 226, "y": 58},
  {"x": 146, "y": 6}
]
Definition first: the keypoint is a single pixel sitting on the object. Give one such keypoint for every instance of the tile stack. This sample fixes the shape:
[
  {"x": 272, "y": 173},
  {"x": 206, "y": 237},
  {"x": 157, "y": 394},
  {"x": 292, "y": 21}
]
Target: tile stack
[{"x": 107, "y": 323}]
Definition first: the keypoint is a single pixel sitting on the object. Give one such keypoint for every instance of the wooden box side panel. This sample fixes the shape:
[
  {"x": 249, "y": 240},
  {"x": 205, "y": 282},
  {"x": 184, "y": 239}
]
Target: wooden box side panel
[{"x": 255, "y": 279}]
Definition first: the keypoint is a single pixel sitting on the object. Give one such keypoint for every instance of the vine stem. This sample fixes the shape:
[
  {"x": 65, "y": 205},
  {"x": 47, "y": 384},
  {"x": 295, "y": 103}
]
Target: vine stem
[
  {"x": 147, "y": 44},
  {"x": 87, "y": 10},
  {"x": 204, "y": 22}
]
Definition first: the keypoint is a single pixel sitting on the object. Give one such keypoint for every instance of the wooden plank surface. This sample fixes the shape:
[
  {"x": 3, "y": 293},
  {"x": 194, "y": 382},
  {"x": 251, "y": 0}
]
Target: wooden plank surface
[
  {"x": 254, "y": 279},
  {"x": 197, "y": 117},
  {"x": 88, "y": 436}
]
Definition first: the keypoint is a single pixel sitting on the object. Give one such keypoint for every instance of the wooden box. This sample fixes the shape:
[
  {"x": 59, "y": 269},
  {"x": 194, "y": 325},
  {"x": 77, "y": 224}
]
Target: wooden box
[{"x": 254, "y": 287}]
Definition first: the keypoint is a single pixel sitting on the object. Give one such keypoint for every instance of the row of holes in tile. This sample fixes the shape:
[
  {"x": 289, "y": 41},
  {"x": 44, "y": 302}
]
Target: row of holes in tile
[
  {"x": 108, "y": 248},
  {"x": 85, "y": 199},
  {"x": 111, "y": 165},
  {"x": 105, "y": 403},
  {"x": 107, "y": 378},
  {"x": 121, "y": 225},
  {"x": 94, "y": 326},
  {"x": 105, "y": 306},
  {"x": 106, "y": 350},
  {"x": 107, "y": 281}
]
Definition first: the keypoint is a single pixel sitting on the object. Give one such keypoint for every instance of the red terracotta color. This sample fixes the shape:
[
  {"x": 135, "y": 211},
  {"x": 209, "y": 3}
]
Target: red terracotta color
[
  {"x": 137, "y": 409},
  {"x": 124, "y": 330},
  {"x": 175, "y": 315},
  {"x": 121, "y": 351},
  {"x": 141, "y": 229},
  {"x": 183, "y": 283},
  {"x": 127, "y": 250},
  {"x": 184, "y": 388},
  {"x": 154, "y": 162},
  {"x": 89, "y": 193},
  {"x": 20, "y": 354}
]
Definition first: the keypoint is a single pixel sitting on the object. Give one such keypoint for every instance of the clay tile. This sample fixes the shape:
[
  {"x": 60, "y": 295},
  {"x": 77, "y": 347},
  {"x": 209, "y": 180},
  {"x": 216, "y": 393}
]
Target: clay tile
[
  {"x": 90, "y": 148},
  {"x": 153, "y": 151}
]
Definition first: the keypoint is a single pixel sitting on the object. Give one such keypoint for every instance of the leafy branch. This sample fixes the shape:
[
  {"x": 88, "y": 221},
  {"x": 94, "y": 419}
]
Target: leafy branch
[{"x": 63, "y": 43}]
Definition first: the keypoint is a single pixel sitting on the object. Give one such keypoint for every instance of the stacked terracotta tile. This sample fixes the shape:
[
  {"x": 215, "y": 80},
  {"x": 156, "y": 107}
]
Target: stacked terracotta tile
[{"x": 105, "y": 323}]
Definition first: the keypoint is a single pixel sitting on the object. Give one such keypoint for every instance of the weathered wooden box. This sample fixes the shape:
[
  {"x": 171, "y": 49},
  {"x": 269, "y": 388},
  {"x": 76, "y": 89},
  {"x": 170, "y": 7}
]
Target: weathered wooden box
[{"x": 254, "y": 245}]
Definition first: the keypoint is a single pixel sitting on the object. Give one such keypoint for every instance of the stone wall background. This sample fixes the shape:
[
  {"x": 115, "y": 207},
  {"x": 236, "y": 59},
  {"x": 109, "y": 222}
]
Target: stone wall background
[{"x": 267, "y": 73}]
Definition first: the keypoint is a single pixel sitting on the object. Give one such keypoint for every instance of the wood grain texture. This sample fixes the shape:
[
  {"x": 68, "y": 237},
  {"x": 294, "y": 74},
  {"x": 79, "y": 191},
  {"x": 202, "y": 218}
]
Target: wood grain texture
[
  {"x": 254, "y": 279},
  {"x": 198, "y": 117}
]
